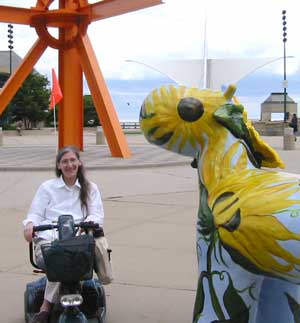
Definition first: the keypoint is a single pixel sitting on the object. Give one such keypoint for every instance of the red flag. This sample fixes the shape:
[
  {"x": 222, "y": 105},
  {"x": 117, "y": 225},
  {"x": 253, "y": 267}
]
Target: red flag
[{"x": 56, "y": 94}]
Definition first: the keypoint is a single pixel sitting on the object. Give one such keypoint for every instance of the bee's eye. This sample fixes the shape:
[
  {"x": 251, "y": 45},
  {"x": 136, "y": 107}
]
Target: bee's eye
[{"x": 190, "y": 109}]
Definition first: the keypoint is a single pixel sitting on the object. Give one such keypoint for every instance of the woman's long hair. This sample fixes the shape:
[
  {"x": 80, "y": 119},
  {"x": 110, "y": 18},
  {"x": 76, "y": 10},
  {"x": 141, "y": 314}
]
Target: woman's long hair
[{"x": 84, "y": 183}]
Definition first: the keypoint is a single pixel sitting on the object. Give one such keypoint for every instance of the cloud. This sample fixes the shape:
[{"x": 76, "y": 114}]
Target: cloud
[{"x": 174, "y": 30}]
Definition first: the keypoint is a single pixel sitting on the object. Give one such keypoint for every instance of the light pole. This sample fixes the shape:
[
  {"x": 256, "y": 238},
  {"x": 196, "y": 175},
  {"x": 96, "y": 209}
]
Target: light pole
[
  {"x": 10, "y": 45},
  {"x": 285, "y": 83}
]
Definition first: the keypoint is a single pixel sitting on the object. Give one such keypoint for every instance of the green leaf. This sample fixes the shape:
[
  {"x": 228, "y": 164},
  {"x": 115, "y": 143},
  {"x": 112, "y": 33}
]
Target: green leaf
[
  {"x": 200, "y": 298},
  {"x": 231, "y": 117},
  {"x": 234, "y": 304},
  {"x": 204, "y": 214},
  {"x": 294, "y": 307}
]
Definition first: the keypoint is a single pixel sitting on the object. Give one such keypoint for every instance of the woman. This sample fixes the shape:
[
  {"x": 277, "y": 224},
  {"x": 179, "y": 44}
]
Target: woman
[{"x": 69, "y": 193}]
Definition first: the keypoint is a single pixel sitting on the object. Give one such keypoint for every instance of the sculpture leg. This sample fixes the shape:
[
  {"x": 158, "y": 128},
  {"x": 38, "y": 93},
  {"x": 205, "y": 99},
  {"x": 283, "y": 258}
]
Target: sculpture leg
[
  {"x": 103, "y": 102},
  {"x": 71, "y": 107},
  {"x": 19, "y": 76}
]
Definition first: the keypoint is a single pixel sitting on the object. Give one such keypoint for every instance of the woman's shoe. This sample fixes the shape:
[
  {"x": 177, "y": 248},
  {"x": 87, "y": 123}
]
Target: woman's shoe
[{"x": 41, "y": 317}]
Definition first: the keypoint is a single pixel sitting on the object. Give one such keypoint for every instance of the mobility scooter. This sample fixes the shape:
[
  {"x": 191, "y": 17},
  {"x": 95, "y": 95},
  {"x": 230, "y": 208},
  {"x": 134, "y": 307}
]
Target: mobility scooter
[{"x": 70, "y": 261}]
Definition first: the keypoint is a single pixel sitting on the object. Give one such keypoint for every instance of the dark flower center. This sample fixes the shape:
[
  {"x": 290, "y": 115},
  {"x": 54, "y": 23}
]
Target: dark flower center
[{"x": 190, "y": 109}]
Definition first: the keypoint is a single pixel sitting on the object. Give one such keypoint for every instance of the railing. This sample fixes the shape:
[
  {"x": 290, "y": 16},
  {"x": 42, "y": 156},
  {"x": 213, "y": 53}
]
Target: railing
[{"x": 130, "y": 125}]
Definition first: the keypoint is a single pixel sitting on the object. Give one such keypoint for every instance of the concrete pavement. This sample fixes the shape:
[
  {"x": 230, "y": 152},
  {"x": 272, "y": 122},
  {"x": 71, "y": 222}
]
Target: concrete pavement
[
  {"x": 150, "y": 224},
  {"x": 36, "y": 149},
  {"x": 150, "y": 216}
]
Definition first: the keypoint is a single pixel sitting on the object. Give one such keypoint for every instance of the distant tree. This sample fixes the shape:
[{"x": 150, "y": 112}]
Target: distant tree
[
  {"x": 49, "y": 121},
  {"x": 30, "y": 104},
  {"x": 90, "y": 115},
  {"x": 3, "y": 78}
]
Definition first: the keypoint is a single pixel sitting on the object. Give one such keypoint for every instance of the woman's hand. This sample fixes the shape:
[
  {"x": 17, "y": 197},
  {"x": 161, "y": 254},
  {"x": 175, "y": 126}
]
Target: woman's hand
[{"x": 28, "y": 231}]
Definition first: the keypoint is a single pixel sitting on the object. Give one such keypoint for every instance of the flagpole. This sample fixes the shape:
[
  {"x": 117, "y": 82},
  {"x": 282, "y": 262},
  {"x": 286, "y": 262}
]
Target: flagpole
[
  {"x": 54, "y": 119},
  {"x": 56, "y": 96},
  {"x": 205, "y": 76}
]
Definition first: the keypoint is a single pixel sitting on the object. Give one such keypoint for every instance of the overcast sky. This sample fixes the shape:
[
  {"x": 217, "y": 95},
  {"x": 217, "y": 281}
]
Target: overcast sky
[{"x": 174, "y": 30}]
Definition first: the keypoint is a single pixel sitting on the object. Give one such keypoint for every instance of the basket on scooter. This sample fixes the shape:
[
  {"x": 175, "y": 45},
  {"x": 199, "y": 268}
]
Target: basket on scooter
[{"x": 69, "y": 260}]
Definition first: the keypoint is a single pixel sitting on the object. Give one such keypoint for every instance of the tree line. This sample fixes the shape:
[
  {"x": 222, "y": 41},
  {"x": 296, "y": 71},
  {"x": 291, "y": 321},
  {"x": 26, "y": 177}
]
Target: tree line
[{"x": 31, "y": 106}]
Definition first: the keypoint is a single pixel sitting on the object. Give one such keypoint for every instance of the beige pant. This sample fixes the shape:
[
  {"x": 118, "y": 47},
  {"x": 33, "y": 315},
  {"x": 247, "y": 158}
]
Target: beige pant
[{"x": 52, "y": 288}]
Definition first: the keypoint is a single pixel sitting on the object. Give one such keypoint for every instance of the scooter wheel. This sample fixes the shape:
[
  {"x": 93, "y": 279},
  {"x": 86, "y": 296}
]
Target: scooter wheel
[
  {"x": 26, "y": 307},
  {"x": 33, "y": 298}
]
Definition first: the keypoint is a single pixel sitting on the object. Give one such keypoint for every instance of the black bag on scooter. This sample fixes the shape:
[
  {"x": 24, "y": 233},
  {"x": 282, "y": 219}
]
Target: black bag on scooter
[{"x": 69, "y": 260}]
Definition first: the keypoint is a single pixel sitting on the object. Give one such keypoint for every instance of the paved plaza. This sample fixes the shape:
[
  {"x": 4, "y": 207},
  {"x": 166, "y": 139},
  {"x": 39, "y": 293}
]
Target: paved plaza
[
  {"x": 35, "y": 150},
  {"x": 150, "y": 203}
]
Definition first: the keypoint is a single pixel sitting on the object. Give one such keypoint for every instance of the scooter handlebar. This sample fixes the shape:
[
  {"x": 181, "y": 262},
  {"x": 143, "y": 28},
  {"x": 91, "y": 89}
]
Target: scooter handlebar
[
  {"x": 88, "y": 225},
  {"x": 44, "y": 227},
  {"x": 82, "y": 225}
]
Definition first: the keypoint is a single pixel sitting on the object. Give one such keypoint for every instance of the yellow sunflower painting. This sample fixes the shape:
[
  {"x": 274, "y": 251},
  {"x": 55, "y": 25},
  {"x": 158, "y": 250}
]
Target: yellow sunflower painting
[
  {"x": 162, "y": 123},
  {"x": 251, "y": 211}
]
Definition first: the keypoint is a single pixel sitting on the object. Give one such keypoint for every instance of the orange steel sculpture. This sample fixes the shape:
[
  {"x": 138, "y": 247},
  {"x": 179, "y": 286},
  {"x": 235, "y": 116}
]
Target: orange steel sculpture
[{"x": 76, "y": 56}]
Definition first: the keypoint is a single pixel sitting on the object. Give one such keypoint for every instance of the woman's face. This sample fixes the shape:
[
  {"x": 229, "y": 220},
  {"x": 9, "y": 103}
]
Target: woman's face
[{"x": 69, "y": 164}]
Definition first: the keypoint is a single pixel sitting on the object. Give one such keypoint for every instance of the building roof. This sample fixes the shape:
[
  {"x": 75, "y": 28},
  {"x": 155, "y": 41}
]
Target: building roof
[
  {"x": 209, "y": 73},
  {"x": 278, "y": 97},
  {"x": 5, "y": 61}
]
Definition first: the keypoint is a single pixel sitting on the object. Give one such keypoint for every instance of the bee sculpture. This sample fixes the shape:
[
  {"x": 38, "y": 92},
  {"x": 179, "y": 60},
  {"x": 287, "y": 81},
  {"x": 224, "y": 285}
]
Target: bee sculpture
[{"x": 248, "y": 224}]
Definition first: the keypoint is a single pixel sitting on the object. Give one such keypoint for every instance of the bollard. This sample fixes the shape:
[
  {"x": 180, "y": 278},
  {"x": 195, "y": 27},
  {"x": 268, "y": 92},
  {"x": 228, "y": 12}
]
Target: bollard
[
  {"x": 1, "y": 137},
  {"x": 288, "y": 139},
  {"x": 100, "y": 138}
]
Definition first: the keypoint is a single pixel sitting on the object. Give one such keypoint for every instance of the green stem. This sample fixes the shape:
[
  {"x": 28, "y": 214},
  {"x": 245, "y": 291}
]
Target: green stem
[{"x": 213, "y": 295}]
